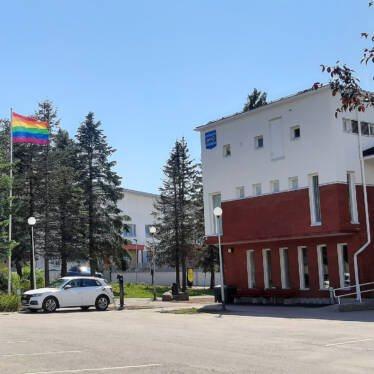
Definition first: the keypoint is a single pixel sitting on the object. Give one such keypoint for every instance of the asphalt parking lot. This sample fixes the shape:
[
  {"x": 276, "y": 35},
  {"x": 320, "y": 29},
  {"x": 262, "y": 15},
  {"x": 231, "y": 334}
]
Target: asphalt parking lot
[{"x": 248, "y": 339}]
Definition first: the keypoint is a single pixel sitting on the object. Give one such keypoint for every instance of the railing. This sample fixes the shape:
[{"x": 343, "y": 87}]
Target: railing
[{"x": 334, "y": 296}]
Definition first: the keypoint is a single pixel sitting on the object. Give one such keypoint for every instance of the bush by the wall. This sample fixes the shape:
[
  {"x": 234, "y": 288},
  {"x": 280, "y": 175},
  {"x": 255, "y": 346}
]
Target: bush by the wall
[
  {"x": 8, "y": 303},
  {"x": 22, "y": 283}
]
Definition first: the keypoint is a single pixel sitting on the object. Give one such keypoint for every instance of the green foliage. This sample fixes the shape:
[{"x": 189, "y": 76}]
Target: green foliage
[
  {"x": 175, "y": 211},
  {"x": 142, "y": 290},
  {"x": 8, "y": 303},
  {"x": 255, "y": 100},
  {"x": 101, "y": 186},
  {"x": 20, "y": 283}
]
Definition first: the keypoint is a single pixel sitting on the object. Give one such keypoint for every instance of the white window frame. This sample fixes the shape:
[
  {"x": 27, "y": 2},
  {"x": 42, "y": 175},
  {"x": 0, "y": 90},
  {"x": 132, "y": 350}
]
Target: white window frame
[
  {"x": 212, "y": 217},
  {"x": 255, "y": 189},
  {"x": 341, "y": 266},
  {"x": 290, "y": 179},
  {"x": 238, "y": 192},
  {"x": 272, "y": 185},
  {"x": 352, "y": 197},
  {"x": 266, "y": 267},
  {"x": 301, "y": 267},
  {"x": 251, "y": 275},
  {"x": 320, "y": 266},
  {"x": 292, "y": 132},
  {"x": 312, "y": 202},
  {"x": 225, "y": 148},
  {"x": 283, "y": 268},
  {"x": 256, "y": 141}
]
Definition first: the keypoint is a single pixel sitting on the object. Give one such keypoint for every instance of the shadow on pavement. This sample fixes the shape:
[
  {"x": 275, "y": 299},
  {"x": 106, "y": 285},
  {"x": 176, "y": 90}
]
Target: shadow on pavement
[{"x": 328, "y": 312}]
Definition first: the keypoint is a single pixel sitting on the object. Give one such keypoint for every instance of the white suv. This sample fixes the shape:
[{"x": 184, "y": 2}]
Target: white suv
[{"x": 69, "y": 292}]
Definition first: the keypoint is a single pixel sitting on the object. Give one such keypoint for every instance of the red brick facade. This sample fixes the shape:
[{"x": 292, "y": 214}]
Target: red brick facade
[{"x": 283, "y": 220}]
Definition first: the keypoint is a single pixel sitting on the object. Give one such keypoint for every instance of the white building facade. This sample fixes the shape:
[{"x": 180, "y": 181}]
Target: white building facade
[{"x": 287, "y": 176}]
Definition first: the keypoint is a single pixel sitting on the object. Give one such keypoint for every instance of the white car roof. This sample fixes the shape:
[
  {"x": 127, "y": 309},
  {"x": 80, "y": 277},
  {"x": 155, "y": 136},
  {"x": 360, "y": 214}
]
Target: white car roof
[{"x": 81, "y": 276}]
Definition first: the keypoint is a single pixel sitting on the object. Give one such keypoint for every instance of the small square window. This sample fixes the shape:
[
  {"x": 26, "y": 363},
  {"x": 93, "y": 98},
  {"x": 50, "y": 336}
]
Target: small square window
[
  {"x": 293, "y": 183},
  {"x": 226, "y": 150},
  {"x": 259, "y": 141},
  {"x": 240, "y": 192},
  {"x": 295, "y": 132},
  {"x": 274, "y": 185},
  {"x": 257, "y": 189}
]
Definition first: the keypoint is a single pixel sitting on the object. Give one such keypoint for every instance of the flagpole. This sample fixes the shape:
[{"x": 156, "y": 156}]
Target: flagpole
[{"x": 10, "y": 205}]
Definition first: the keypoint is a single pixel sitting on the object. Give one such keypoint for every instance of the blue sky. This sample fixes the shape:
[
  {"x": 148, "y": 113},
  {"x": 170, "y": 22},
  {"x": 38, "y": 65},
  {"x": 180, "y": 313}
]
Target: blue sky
[{"x": 153, "y": 70}]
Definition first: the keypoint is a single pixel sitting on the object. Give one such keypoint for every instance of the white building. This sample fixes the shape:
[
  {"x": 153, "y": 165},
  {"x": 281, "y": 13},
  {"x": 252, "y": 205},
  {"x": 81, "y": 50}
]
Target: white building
[
  {"x": 288, "y": 177},
  {"x": 139, "y": 207}
]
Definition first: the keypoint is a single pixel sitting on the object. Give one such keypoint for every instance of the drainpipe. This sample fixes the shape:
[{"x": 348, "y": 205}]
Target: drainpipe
[{"x": 363, "y": 177}]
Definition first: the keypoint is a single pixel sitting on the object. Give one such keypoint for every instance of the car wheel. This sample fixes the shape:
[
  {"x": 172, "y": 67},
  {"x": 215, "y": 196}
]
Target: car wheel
[
  {"x": 50, "y": 304},
  {"x": 84, "y": 307},
  {"x": 102, "y": 303}
]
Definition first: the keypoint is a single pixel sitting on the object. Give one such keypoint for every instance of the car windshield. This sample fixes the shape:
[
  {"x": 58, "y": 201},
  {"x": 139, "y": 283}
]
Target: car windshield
[{"x": 58, "y": 283}]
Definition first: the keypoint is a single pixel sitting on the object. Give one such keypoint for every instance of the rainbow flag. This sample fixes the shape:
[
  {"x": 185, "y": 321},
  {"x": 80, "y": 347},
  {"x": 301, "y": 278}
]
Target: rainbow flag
[{"x": 29, "y": 130}]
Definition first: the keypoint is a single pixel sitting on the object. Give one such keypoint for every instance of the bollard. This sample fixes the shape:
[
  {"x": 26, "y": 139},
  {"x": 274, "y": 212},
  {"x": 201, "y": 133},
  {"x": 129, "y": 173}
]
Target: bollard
[{"x": 121, "y": 293}]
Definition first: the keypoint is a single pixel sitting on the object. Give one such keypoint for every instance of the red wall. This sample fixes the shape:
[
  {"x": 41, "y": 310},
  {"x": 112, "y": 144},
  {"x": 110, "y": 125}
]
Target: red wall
[{"x": 263, "y": 221}]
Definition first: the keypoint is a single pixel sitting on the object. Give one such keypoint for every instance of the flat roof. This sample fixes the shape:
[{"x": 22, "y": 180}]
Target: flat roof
[
  {"x": 282, "y": 100},
  {"x": 141, "y": 193}
]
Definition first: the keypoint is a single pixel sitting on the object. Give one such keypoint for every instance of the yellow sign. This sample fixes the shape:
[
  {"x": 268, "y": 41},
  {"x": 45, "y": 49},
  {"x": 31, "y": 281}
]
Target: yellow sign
[{"x": 190, "y": 275}]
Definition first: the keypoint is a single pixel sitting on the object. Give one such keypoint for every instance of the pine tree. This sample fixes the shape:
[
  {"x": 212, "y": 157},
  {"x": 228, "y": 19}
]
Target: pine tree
[
  {"x": 174, "y": 211},
  {"x": 46, "y": 113},
  {"x": 66, "y": 199},
  {"x": 101, "y": 188},
  {"x": 255, "y": 100}
]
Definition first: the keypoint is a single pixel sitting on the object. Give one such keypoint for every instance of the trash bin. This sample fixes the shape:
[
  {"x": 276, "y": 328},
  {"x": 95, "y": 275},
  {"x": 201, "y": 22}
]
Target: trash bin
[{"x": 230, "y": 292}]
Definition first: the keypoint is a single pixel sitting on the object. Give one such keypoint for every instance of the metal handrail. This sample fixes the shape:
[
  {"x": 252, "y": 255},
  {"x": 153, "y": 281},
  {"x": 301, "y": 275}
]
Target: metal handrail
[{"x": 334, "y": 296}]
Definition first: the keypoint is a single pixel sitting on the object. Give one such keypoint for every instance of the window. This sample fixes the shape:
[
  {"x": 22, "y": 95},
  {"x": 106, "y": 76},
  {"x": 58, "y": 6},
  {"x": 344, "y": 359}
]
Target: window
[
  {"x": 293, "y": 183},
  {"x": 240, "y": 192},
  {"x": 365, "y": 128},
  {"x": 216, "y": 201},
  {"x": 352, "y": 196},
  {"x": 285, "y": 272},
  {"x": 323, "y": 267},
  {"x": 90, "y": 283},
  {"x": 274, "y": 186},
  {"x": 314, "y": 200},
  {"x": 303, "y": 267},
  {"x": 344, "y": 274},
  {"x": 266, "y": 261},
  {"x": 74, "y": 283},
  {"x": 354, "y": 127},
  {"x": 259, "y": 142},
  {"x": 226, "y": 150},
  {"x": 251, "y": 269},
  {"x": 295, "y": 132},
  {"x": 147, "y": 232},
  {"x": 257, "y": 189},
  {"x": 371, "y": 129},
  {"x": 131, "y": 233}
]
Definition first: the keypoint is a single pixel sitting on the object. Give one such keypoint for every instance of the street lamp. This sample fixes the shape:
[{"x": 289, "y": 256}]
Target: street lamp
[
  {"x": 31, "y": 221},
  {"x": 152, "y": 230},
  {"x": 218, "y": 214}
]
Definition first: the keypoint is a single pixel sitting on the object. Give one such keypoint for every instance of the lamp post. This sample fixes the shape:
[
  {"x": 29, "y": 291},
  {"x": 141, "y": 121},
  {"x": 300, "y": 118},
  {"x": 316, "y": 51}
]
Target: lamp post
[
  {"x": 152, "y": 230},
  {"x": 218, "y": 214},
  {"x": 136, "y": 264},
  {"x": 31, "y": 221}
]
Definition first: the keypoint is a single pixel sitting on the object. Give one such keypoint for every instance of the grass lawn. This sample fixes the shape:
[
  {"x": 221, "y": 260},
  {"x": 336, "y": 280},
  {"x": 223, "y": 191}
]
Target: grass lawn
[{"x": 144, "y": 290}]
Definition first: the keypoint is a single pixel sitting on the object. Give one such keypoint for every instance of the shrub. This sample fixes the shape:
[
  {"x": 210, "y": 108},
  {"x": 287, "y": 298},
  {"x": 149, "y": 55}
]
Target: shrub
[
  {"x": 8, "y": 303},
  {"x": 22, "y": 283}
]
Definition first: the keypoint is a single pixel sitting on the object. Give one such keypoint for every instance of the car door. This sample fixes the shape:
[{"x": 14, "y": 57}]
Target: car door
[
  {"x": 71, "y": 294},
  {"x": 91, "y": 289}
]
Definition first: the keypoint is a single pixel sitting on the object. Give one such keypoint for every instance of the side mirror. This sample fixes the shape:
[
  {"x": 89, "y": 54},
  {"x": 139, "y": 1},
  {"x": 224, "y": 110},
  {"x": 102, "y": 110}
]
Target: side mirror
[{"x": 67, "y": 287}]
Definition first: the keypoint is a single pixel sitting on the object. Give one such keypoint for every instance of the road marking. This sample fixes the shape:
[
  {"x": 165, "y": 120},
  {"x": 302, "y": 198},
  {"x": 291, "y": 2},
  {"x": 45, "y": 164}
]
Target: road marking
[
  {"x": 97, "y": 369},
  {"x": 37, "y": 354},
  {"x": 348, "y": 342}
]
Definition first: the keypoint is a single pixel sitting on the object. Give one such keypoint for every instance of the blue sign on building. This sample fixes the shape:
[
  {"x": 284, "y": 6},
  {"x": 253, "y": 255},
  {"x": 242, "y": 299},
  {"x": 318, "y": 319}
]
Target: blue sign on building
[{"x": 210, "y": 139}]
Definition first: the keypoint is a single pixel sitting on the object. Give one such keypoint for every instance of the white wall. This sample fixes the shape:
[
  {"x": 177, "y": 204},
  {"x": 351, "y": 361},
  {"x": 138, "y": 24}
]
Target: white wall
[
  {"x": 323, "y": 148},
  {"x": 139, "y": 206}
]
